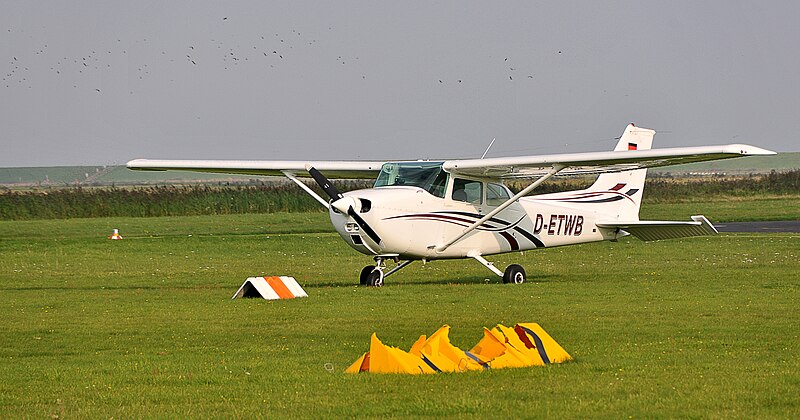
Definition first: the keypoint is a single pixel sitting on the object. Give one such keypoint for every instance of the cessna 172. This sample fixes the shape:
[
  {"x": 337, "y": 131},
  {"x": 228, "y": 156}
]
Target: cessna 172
[{"x": 431, "y": 210}]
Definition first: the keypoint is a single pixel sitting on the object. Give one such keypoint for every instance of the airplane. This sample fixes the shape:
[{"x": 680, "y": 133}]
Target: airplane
[{"x": 428, "y": 210}]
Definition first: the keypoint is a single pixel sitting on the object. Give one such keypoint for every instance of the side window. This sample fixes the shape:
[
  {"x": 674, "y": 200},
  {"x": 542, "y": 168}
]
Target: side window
[
  {"x": 467, "y": 191},
  {"x": 496, "y": 194}
]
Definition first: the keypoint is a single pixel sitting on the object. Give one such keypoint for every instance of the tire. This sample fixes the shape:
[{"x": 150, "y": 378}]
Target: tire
[
  {"x": 514, "y": 274},
  {"x": 375, "y": 278},
  {"x": 363, "y": 278}
]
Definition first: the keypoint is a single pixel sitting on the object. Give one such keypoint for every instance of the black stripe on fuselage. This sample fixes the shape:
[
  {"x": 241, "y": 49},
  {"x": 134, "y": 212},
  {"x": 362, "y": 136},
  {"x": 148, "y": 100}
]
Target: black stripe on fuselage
[
  {"x": 512, "y": 242},
  {"x": 502, "y": 222},
  {"x": 529, "y": 236}
]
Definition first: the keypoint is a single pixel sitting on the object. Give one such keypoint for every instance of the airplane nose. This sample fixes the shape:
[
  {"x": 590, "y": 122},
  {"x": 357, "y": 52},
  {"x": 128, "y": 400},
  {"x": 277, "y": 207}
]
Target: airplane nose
[
  {"x": 350, "y": 206},
  {"x": 343, "y": 204}
]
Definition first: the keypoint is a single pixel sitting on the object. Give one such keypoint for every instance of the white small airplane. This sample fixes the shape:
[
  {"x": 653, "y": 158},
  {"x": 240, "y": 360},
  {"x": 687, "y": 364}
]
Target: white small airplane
[{"x": 446, "y": 209}]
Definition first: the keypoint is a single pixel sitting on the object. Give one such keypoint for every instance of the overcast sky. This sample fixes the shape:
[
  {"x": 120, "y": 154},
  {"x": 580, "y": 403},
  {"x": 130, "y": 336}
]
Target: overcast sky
[{"x": 103, "y": 82}]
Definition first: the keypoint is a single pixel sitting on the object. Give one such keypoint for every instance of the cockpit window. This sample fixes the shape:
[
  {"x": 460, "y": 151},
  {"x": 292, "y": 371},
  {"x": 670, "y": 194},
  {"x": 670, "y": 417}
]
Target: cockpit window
[{"x": 426, "y": 175}]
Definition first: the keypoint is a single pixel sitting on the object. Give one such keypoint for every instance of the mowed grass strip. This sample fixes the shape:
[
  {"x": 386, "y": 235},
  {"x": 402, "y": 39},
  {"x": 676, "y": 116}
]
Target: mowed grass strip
[{"x": 145, "y": 326}]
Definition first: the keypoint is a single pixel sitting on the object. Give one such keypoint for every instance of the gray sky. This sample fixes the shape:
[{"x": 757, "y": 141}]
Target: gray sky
[{"x": 102, "y": 82}]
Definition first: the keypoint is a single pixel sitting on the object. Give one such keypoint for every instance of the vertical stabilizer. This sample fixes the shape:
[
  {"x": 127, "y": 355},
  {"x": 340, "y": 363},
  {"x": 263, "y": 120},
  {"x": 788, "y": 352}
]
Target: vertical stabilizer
[
  {"x": 622, "y": 191},
  {"x": 635, "y": 138}
]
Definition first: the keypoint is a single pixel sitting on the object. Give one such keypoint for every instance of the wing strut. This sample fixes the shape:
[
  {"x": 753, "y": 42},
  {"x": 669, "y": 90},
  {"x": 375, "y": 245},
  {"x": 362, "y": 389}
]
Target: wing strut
[
  {"x": 305, "y": 187},
  {"x": 554, "y": 170}
]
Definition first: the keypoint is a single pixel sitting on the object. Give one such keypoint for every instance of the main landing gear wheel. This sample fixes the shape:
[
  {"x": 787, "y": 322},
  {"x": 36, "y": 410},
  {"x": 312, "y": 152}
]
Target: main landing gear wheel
[
  {"x": 514, "y": 274},
  {"x": 364, "y": 277},
  {"x": 375, "y": 278}
]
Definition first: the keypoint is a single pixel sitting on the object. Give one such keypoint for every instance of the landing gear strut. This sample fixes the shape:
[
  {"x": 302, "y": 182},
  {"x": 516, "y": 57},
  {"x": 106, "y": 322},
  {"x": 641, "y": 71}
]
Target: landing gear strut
[
  {"x": 372, "y": 275},
  {"x": 514, "y": 273}
]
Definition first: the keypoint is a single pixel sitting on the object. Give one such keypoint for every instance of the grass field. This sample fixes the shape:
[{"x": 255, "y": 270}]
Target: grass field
[{"x": 144, "y": 327}]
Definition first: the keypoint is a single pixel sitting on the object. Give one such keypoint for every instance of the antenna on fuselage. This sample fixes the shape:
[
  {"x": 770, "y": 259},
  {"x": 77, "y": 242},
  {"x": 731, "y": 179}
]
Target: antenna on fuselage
[{"x": 489, "y": 147}]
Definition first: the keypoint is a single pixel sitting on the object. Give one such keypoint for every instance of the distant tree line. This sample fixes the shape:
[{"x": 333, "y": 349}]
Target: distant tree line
[
  {"x": 150, "y": 201},
  {"x": 666, "y": 189},
  {"x": 271, "y": 197}
]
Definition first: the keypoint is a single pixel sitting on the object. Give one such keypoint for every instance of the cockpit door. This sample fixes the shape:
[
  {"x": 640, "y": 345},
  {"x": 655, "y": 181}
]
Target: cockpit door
[{"x": 497, "y": 194}]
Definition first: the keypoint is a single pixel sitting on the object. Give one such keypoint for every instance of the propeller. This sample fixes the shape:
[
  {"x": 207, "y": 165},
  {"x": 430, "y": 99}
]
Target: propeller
[
  {"x": 340, "y": 202},
  {"x": 323, "y": 182}
]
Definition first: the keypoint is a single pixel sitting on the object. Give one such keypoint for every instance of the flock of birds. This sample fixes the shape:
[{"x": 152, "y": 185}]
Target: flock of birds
[
  {"x": 510, "y": 76},
  {"x": 269, "y": 51},
  {"x": 19, "y": 71}
]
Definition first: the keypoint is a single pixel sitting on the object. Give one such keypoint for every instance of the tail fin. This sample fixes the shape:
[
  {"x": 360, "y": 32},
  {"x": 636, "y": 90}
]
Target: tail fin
[{"x": 623, "y": 190}]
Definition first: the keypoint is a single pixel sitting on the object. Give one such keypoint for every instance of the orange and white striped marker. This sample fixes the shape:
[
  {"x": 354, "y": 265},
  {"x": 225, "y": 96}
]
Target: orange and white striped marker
[
  {"x": 271, "y": 288},
  {"x": 115, "y": 235}
]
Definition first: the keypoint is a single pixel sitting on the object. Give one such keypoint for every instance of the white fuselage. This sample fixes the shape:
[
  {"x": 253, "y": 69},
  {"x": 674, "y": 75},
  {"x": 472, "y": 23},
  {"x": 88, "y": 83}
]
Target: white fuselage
[{"x": 411, "y": 222}]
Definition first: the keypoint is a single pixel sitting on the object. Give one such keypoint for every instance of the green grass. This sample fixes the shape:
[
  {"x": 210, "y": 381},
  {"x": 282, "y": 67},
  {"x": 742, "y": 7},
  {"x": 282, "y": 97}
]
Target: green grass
[{"x": 144, "y": 327}]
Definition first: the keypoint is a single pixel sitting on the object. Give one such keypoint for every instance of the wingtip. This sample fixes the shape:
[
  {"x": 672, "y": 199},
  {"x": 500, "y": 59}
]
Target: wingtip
[
  {"x": 132, "y": 163},
  {"x": 143, "y": 165},
  {"x": 757, "y": 151},
  {"x": 748, "y": 150}
]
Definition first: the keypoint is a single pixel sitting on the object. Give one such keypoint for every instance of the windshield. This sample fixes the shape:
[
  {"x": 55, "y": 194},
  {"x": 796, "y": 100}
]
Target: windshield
[{"x": 426, "y": 175}]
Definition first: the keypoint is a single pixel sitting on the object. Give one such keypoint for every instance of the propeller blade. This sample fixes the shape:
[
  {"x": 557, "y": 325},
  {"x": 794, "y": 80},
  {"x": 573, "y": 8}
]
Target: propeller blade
[
  {"x": 364, "y": 226},
  {"x": 323, "y": 182}
]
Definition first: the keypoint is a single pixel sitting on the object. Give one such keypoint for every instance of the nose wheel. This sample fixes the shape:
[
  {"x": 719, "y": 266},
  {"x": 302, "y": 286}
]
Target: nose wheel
[
  {"x": 371, "y": 275},
  {"x": 375, "y": 278}
]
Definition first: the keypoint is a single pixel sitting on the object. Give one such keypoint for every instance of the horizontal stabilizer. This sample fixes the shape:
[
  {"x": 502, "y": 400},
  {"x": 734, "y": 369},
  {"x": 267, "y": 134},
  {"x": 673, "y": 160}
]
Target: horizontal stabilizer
[{"x": 657, "y": 230}]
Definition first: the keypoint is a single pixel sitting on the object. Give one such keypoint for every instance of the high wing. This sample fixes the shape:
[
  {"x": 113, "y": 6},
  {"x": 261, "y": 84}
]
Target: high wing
[
  {"x": 333, "y": 169},
  {"x": 499, "y": 168},
  {"x": 596, "y": 162}
]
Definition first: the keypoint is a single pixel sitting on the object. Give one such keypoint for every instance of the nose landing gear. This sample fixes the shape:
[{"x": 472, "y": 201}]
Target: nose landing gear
[{"x": 372, "y": 275}]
